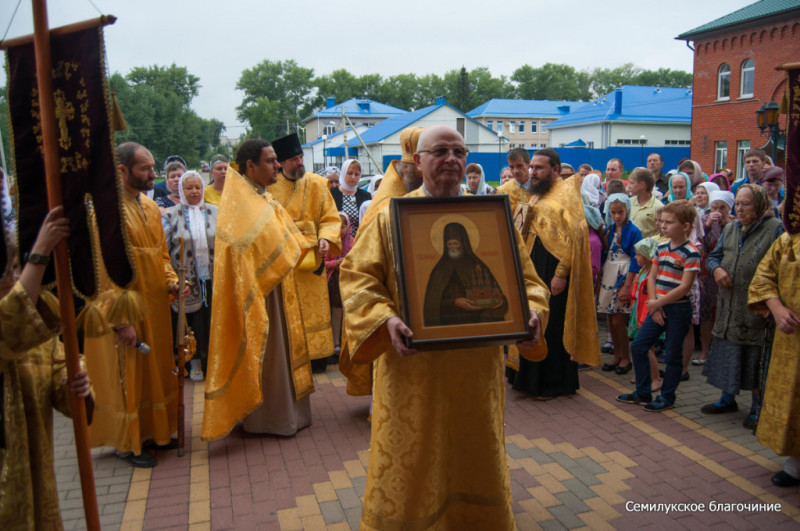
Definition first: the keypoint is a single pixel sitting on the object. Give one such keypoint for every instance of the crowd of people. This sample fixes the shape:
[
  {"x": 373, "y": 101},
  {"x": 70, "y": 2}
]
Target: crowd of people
[{"x": 288, "y": 271}]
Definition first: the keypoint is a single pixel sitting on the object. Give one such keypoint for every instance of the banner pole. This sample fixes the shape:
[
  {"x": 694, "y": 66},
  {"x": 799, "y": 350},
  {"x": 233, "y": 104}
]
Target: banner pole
[{"x": 54, "y": 198}]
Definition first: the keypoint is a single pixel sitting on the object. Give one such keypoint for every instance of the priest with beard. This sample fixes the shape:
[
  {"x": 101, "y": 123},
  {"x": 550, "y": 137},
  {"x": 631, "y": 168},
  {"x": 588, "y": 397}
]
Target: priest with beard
[
  {"x": 558, "y": 241},
  {"x": 458, "y": 280}
]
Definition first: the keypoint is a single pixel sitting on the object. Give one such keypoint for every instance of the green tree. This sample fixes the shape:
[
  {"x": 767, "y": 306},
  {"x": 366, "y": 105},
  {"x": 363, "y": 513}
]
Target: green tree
[
  {"x": 161, "y": 119},
  {"x": 604, "y": 80},
  {"x": 275, "y": 94},
  {"x": 462, "y": 96},
  {"x": 665, "y": 77},
  {"x": 551, "y": 82},
  {"x": 167, "y": 80}
]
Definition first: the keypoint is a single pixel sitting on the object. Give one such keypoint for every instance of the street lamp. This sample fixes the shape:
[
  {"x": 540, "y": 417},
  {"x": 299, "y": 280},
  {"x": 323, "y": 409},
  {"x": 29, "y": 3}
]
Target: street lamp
[
  {"x": 499, "y": 152},
  {"x": 324, "y": 155},
  {"x": 767, "y": 118},
  {"x": 642, "y": 139}
]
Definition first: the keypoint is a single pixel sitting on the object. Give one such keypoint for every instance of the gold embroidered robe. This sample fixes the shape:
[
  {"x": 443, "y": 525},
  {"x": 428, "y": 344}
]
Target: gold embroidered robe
[
  {"x": 137, "y": 394},
  {"x": 558, "y": 219},
  {"x": 257, "y": 247},
  {"x": 309, "y": 202},
  {"x": 516, "y": 193},
  {"x": 32, "y": 366},
  {"x": 437, "y": 450},
  {"x": 359, "y": 375},
  {"x": 778, "y": 276}
]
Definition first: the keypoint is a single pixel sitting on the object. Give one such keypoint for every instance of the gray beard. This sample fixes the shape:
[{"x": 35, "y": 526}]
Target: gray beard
[{"x": 454, "y": 253}]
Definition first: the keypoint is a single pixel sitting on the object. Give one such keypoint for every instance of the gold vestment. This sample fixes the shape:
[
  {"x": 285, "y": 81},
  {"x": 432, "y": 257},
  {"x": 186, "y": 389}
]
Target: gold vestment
[
  {"x": 310, "y": 204},
  {"x": 257, "y": 247},
  {"x": 437, "y": 450}
]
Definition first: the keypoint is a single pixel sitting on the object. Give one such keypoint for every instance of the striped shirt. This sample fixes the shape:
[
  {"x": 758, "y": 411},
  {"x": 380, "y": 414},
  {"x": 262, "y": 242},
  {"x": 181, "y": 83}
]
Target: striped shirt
[{"x": 672, "y": 263}]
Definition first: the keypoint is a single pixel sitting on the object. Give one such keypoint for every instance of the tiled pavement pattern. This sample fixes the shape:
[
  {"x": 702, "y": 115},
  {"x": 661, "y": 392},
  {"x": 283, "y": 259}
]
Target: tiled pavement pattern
[{"x": 575, "y": 462}]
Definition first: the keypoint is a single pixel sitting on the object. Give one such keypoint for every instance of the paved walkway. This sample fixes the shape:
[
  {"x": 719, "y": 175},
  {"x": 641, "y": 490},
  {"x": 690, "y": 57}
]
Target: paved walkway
[{"x": 575, "y": 462}]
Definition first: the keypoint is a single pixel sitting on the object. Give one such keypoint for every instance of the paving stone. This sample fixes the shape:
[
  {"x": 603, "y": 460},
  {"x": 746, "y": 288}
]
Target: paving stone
[{"x": 332, "y": 512}]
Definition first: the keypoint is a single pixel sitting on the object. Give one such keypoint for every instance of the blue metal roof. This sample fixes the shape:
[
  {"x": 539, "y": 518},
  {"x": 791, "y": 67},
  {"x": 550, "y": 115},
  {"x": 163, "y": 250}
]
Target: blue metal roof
[
  {"x": 358, "y": 108},
  {"x": 392, "y": 125},
  {"x": 524, "y": 108},
  {"x": 634, "y": 104}
]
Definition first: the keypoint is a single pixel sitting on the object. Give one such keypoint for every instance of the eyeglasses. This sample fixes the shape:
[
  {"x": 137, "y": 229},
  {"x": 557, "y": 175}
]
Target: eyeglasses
[{"x": 442, "y": 152}]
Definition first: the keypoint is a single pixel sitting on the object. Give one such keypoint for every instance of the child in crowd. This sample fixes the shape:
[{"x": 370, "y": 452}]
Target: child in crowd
[
  {"x": 332, "y": 264},
  {"x": 721, "y": 203},
  {"x": 674, "y": 270},
  {"x": 615, "y": 186},
  {"x": 645, "y": 252},
  {"x": 619, "y": 271}
]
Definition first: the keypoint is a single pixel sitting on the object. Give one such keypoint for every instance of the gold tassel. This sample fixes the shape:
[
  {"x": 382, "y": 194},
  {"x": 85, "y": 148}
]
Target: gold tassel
[
  {"x": 51, "y": 301},
  {"x": 118, "y": 122},
  {"x": 92, "y": 321},
  {"x": 127, "y": 309}
]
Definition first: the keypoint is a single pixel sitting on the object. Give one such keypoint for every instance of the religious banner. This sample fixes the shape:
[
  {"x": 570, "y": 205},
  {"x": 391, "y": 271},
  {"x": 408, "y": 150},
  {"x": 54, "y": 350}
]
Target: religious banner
[
  {"x": 86, "y": 151},
  {"x": 791, "y": 213}
]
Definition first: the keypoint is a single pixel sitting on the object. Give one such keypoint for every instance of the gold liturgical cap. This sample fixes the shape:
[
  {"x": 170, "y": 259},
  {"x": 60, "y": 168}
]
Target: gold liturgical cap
[{"x": 409, "y": 137}]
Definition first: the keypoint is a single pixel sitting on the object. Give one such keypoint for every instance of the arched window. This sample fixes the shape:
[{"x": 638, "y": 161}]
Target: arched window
[
  {"x": 748, "y": 78},
  {"x": 724, "y": 82}
]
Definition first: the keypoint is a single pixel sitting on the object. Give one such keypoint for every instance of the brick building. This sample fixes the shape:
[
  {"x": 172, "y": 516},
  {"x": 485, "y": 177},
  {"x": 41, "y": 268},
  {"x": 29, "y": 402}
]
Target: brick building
[{"x": 734, "y": 75}]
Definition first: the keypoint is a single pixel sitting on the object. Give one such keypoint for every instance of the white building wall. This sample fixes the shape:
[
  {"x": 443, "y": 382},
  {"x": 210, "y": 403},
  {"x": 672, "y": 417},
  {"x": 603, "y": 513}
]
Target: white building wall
[
  {"x": 587, "y": 133},
  {"x": 656, "y": 135}
]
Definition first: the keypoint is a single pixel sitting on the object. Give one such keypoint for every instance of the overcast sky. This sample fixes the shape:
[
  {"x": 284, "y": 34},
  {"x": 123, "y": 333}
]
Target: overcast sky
[{"x": 217, "y": 40}]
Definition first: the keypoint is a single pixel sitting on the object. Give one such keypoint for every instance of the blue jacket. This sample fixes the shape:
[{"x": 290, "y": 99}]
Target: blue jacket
[{"x": 628, "y": 238}]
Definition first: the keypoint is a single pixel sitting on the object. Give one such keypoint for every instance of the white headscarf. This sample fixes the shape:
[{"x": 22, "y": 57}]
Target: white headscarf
[
  {"x": 373, "y": 182},
  {"x": 591, "y": 187},
  {"x": 721, "y": 195},
  {"x": 343, "y": 177},
  {"x": 483, "y": 188},
  {"x": 196, "y": 222}
]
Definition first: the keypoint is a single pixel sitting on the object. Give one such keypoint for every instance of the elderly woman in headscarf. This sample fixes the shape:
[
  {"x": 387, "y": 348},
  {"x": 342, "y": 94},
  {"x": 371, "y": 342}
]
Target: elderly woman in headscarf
[
  {"x": 196, "y": 222},
  {"x": 701, "y": 197},
  {"x": 348, "y": 197},
  {"x": 476, "y": 180},
  {"x": 739, "y": 334},
  {"x": 692, "y": 169},
  {"x": 218, "y": 169},
  {"x": 719, "y": 214}
]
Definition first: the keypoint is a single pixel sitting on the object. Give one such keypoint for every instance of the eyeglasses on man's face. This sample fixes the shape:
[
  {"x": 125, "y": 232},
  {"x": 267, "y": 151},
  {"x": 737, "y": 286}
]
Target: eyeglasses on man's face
[{"x": 442, "y": 152}]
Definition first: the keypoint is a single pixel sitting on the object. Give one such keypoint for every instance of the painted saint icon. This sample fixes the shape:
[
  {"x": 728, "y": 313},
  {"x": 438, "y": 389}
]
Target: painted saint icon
[{"x": 461, "y": 288}]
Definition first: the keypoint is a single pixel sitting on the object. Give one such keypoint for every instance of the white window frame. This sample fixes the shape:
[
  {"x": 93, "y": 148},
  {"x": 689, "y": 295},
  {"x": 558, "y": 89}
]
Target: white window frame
[
  {"x": 720, "y": 154},
  {"x": 748, "y": 71},
  {"x": 720, "y": 76},
  {"x": 742, "y": 147}
]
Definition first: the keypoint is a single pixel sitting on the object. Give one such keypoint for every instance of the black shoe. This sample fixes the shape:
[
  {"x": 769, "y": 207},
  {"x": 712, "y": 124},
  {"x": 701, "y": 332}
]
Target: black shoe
[
  {"x": 624, "y": 370},
  {"x": 584, "y": 366},
  {"x": 607, "y": 367},
  {"x": 319, "y": 366},
  {"x": 143, "y": 460},
  {"x": 685, "y": 376},
  {"x": 171, "y": 445},
  {"x": 750, "y": 422},
  {"x": 333, "y": 359},
  {"x": 783, "y": 479},
  {"x": 608, "y": 348},
  {"x": 713, "y": 409}
]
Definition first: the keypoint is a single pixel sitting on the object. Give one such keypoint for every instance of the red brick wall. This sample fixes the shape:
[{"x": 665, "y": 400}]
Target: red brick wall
[{"x": 768, "y": 45}]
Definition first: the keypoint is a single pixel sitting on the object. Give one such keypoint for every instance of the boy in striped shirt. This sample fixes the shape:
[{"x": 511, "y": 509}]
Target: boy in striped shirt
[{"x": 675, "y": 266}]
